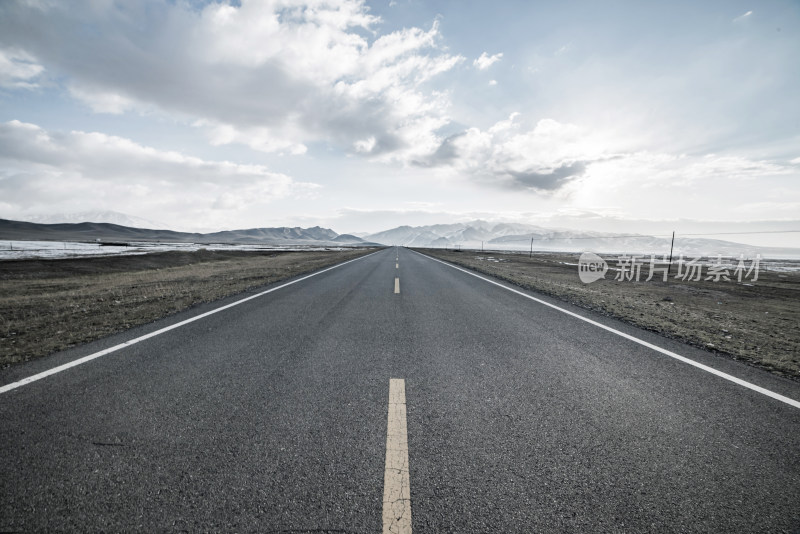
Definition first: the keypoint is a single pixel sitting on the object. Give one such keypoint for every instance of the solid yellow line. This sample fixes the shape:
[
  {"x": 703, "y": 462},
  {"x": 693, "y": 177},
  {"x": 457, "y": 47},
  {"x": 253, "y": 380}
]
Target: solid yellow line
[
  {"x": 396, "y": 285},
  {"x": 396, "y": 484}
]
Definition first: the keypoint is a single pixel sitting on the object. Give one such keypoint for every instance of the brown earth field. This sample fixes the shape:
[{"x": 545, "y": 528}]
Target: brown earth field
[
  {"x": 755, "y": 321},
  {"x": 51, "y": 305}
]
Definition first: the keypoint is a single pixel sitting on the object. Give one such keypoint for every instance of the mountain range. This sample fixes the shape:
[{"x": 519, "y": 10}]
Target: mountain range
[
  {"x": 107, "y": 232},
  {"x": 475, "y": 235},
  {"x": 478, "y": 235}
]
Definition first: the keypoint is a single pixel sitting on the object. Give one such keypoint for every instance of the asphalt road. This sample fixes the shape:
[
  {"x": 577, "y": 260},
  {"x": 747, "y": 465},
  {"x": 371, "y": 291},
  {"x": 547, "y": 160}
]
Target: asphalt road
[{"x": 271, "y": 416}]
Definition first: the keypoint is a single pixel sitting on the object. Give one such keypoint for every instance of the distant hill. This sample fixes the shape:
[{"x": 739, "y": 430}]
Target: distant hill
[
  {"x": 514, "y": 236},
  {"x": 91, "y": 231},
  {"x": 470, "y": 235},
  {"x": 348, "y": 238},
  {"x": 104, "y": 216}
]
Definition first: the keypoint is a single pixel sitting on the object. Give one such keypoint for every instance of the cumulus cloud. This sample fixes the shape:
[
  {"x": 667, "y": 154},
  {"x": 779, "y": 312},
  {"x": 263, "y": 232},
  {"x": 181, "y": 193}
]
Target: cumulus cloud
[
  {"x": 485, "y": 60},
  {"x": 275, "y": 75},
  {"x": 88, "y": 170},
  {"x": 544, "y": 158}
]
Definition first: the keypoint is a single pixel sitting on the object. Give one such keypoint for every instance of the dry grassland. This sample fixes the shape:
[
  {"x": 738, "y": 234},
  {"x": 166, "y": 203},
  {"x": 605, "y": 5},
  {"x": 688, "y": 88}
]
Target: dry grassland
[
  {"x": 50, "y": 305},
  {"x": 758, "y": 323}
]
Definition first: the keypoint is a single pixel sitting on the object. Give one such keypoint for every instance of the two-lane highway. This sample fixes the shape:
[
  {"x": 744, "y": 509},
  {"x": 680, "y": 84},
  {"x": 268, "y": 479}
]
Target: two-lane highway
[{"x": 276, "y": 415}]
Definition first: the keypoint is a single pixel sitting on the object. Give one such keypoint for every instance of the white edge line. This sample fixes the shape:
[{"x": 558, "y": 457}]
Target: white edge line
[
  {"x": 90, "y": 357},
  {"x": 726, "y": 376}
]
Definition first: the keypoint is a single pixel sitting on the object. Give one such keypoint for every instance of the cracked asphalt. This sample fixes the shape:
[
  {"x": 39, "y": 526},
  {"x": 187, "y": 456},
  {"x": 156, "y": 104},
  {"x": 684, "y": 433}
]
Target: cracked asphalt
[{"x": 271, "y": 416}]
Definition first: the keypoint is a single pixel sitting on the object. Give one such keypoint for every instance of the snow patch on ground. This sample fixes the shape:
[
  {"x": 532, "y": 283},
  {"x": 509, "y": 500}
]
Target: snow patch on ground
[{"x": 17, "y": 250}]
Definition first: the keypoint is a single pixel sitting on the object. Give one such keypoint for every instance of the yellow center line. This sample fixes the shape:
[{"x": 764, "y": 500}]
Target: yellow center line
[{"x": 396, "y": 484}]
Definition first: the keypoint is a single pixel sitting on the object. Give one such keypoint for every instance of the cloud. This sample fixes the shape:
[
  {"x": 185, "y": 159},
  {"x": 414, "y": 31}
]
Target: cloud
[
  {"x": 553, "y": 156},
  {"x": 49, "y": 171},
  {"x": 743, "y": 17},
  {"x": 492, "y": 82},
  {"x": 257, "y": 138},
  {"x": 102, "y": 101},
  {"x": 544, "y": 158},
  {"x": 273, "y": 75},
  {"x": 18, "y": 70},
  {"x": 734, "y": 167},
  {"x": 446, "y": 152},
  {"x": 485, "y": 61},
  {"x": 551, "y": 180}
]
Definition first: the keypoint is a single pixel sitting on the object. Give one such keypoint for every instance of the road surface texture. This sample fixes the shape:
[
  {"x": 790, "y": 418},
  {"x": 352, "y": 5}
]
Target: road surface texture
[{"x": 505, "y": 415}]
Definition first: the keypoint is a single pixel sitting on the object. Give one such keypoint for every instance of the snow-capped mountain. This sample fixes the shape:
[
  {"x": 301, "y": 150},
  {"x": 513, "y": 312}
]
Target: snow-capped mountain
[
  {"x": 468, "y": 235},
  {"x": 516, "y": 236}
]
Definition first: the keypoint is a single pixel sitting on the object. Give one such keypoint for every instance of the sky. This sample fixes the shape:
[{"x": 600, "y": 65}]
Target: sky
[{"x": 361, "y": 116}]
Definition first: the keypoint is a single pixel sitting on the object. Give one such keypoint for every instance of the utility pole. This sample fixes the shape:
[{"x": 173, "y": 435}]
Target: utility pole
[
  {"x": 481, "y": 247},
  {"x": 531, "y": 254},
  {"x": 669, "y": 268}
]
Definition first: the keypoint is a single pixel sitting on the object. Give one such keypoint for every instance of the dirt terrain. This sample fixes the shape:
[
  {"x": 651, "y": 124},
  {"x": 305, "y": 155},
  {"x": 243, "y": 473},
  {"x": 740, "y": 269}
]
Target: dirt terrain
[
  {"x": 756, "y": 321},
  {"x": 49, "y": 305}
]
